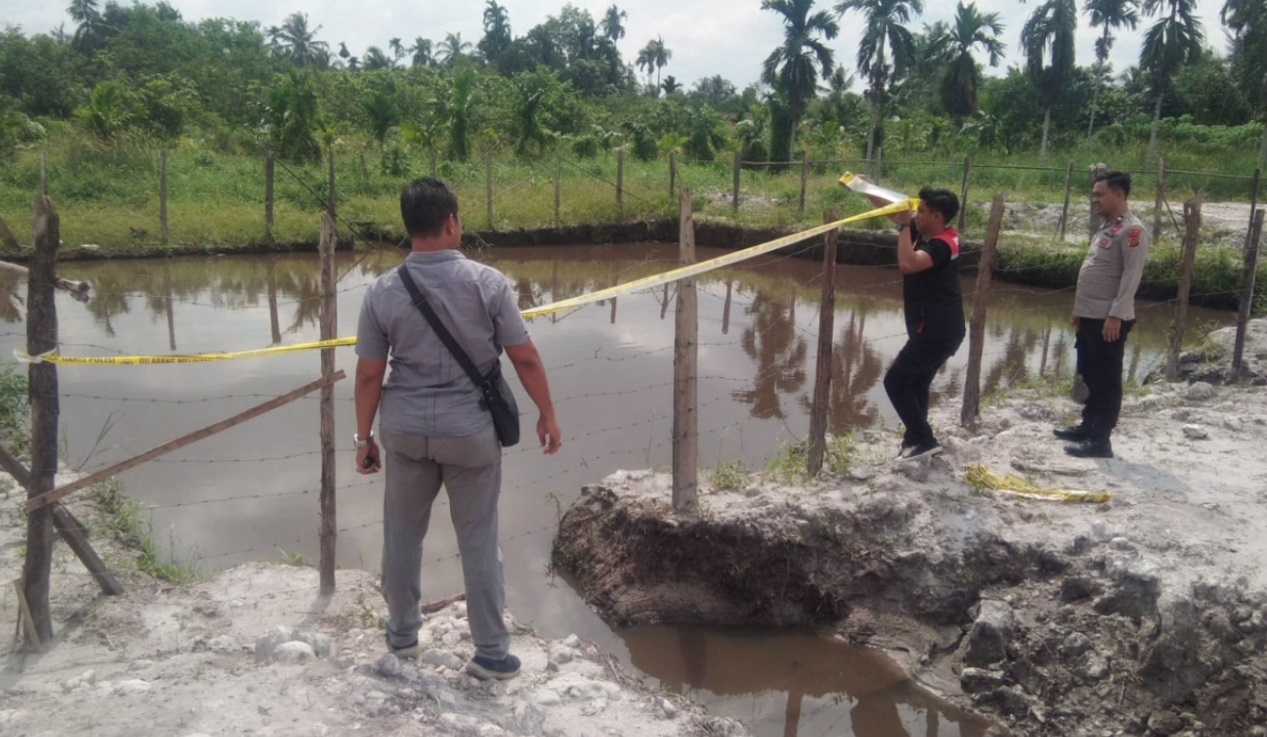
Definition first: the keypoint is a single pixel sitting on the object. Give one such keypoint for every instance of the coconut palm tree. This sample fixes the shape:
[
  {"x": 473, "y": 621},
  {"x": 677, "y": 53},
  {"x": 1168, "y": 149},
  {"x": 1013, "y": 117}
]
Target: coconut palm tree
[
  {"x": 655, "y": 55},
  {"x": 453, "y": 47},
  {"x": 298, "y": 41},
  {"x": 87, "y": 15},
  {"x": 885, "y": 21},
  {"x": 794, "y": 68},
  {"x": 1049, "y": 35},
  {"x": 1247, "y": 20},
  {"x": 1172, "y": 42},
  {"x": 497, "y": 34},
  {"x": 971, "y": 29},
  {"x": 455, "y": 109},
  {"x": 1111, "y": 14},
  {"x": 375, "y": 59},
  {"x": 420, "y": 52},
  {"x": 670, "y": 85},
  {"x": 613, "y": 27},
  {"x": 398, "y": 50}
]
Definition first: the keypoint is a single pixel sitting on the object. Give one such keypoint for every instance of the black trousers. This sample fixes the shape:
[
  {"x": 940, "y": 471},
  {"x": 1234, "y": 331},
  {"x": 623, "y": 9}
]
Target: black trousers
[
  {"x": 1100, "y": 363},
  {"x": 909, "y": 380}
]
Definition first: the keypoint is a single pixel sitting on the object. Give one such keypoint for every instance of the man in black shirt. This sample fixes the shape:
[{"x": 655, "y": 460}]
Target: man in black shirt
[{"x": 928, "y": 255}]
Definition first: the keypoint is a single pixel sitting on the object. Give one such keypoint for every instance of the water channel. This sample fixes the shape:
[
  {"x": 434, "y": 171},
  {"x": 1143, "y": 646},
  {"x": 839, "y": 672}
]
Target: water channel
[{"x": 250, "y": 493}]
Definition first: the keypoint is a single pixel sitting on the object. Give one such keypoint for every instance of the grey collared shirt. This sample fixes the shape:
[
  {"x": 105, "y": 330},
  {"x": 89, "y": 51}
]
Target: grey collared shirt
[
  {"x": 1112, "y": 270},
  {"x": 427, "y": 392}
]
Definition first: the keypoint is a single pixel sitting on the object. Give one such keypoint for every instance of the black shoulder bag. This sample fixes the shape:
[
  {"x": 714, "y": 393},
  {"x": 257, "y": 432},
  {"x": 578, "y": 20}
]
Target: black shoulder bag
[{"x": 498, "y": 399}]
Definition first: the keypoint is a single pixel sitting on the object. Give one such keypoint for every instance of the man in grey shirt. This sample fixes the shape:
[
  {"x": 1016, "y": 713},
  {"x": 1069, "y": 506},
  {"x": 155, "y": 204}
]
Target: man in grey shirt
[
  {"x": 434, "y": 428},
  {"x": 1104, "y": 313}
]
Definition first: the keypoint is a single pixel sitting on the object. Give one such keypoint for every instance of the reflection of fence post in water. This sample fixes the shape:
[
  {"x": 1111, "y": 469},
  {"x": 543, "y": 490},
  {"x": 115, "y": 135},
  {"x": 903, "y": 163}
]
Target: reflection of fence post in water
[
  {"x": 1247, "y": 293},
  {"x": 823, "y": 362},
  {"x": 1161, "y": 199},
  {"x": 273, "y": 319},
  {"x": 971, "y": 411},
  {"x": 725, "y": 310},
  {"x": 168, "y": 304},
  {"x": 1192, "y": 217},
  {"x": 685, "y": 361},
  {"x": 329, "y": 326},
  {"x": 41, "y": 337}
]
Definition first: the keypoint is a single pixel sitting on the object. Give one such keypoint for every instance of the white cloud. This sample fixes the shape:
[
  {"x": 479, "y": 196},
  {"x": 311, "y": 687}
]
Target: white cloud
[{"x": 706, "y": 37}]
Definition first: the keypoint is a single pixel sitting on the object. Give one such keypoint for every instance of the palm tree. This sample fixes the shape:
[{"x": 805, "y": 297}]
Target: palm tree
[
  {"x": 613, "y": 28},
  {"x": 398, "y": 51},
  {"x": 1049, "y": 33},
  {"x": 297, "y": 40},
  {"x": 86, "y": 14},
  {"x": 453, "y": 47},
  {"x": 1112, "y": 14},
  {"x": 885, "y": 19},
  {"x": 794, "y": 68},
  {"x": 1247, "y": 20},
  {"x": 655, "y": 55},
  {"x": 1173, "y": 41},
  {"x": 375, "y": 59},
  {"x": 496, "y": 31},
  {"x": 382, "y": 112},
  {"x": 962, "y": 79},
  {"x": 420, "y": 52},
  {"x": 455, "y": 109},
  {"x": 670, "y": 85}
]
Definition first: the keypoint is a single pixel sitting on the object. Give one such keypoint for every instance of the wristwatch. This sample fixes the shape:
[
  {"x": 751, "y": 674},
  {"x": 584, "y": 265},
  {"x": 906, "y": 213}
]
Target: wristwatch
[
  {"x": 902, "y": 226},
  {"x": 358, "y": 443}
]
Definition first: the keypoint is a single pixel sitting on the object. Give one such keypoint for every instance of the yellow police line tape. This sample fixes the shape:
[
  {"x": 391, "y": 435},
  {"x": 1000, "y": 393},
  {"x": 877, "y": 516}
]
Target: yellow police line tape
[
  {"x": 684, "y": 272},
  {"x": 979, "y": 477}
]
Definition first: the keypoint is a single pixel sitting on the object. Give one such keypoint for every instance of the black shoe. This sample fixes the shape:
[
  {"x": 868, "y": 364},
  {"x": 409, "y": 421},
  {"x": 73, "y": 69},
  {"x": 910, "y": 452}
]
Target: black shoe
[
  {"x": 1091, "y": 449},
  {"x": 497, "y": 670},
  {"x": 1073, "y": 433},
  {"x": 922, "y": 450}
]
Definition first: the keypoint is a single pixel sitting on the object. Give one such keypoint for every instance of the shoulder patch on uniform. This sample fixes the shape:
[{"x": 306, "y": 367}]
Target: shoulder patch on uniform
[{"x": 1135, "y": 236}]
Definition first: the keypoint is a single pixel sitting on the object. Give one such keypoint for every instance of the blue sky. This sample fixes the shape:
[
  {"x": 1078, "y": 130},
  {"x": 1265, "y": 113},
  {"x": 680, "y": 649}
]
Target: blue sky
[{"x": 706, "y": 36}]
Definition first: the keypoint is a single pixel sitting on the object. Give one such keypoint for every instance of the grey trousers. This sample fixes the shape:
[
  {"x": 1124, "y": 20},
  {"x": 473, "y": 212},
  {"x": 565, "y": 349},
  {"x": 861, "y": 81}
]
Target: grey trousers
[{"x": 470, "y": 468}]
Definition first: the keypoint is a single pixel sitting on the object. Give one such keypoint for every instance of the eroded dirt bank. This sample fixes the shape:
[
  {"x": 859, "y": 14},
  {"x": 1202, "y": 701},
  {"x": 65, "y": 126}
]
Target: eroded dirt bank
[{"x": 1141, "y": 616}]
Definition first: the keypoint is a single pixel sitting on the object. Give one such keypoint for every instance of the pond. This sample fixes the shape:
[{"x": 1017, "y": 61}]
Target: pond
[{"x": 250, "y": 493}]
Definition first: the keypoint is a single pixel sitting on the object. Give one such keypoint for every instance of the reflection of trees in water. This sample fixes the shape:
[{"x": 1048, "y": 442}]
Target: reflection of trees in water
[
  {"x": 1011, "y": 368},
  {"x": 12, "y": 306},
  {"x": 779, "y": 351},
  {"x": 855, "y": 371}
]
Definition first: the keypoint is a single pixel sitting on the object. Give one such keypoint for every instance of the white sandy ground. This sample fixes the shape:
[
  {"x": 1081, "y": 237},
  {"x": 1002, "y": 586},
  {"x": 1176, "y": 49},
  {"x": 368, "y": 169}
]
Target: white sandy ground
[{"x": 1190, "y": 485}]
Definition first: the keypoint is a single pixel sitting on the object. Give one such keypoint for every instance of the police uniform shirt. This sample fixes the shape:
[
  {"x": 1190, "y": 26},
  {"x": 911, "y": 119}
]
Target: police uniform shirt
[{"x": 1112, "y": 270}]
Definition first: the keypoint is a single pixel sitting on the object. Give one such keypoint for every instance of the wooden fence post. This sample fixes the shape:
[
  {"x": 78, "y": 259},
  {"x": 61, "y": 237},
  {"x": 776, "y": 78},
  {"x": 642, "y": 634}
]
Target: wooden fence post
[
  {"x": 332, "y": 206},
  {"x": 488, "y": 186},
  {"x": 971, "y": 410},
  {"x": 879, "y": 164},
  {"x": 270, "y": 193},
  {"x": 434, "y": 162},
  {"x": 44, "y": 174},
  {"x": 1247, "y": 294},
  {"x": 963, "y": 198},
  {"x": 1255, "y": 193},
  {"x": 823, "y": 362},
  {"x": 1093, "y": 223},
  {"x": 804, "y": 182},
  {"x": 685, "y": 361},
  {"x": 1191, "y": 216},
  {"x": 734, "y": 197},
  {"x": 1064, "y": 213},
  {"x": 672, "y": 175},
  {"x": 620, "y": 184},
  {"x": 41, "y": 336},
  {"x": 162, "y": 195},
  {"x": 329, "y": 328},
  {"x": 558, "y": 192},
  {"x": 1161, "y": 198}
]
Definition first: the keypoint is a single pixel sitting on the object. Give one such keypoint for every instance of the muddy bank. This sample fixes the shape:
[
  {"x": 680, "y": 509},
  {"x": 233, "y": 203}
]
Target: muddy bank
[
  {"x": 256, "y": 650},
  {"x": 1146, "y": 615}
]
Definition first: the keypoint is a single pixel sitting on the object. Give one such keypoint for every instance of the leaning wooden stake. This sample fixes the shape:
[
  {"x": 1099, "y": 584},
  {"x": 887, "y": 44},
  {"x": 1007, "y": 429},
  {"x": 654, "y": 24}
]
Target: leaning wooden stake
[
  {"x": 1247, "y": 294},
  {"x": 823, "y": 363},
  {"x": 1192, "y": 216},
  {"x": 1064, "y": 213},
  {"x": 685, "y": 361},
  {"x": 329, "y": 328},
  {"x": 84, "y": 482},
  {"x": 971, "y": 410},
  {"x": 41, "y": 334}
]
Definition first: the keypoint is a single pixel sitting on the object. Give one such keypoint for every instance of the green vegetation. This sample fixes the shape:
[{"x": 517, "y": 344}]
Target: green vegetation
[
  {"x": 14, "y": 410},
  {"x": 729, "y": 476},
  {"x": 789, "y": 462},
  {"x": 122, "y": 519}
]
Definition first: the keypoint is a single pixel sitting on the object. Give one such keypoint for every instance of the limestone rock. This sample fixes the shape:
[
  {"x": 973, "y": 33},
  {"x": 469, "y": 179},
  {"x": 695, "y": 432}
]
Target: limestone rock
[
  {"x": 993, "y": 629},
  {"x": 979, "y": 680},
  {"x": 1195, "y": 432},
  {"x": 264, "y": 646},
  {"x": 294, "y": 652},
  {"x": 1200, "y": 391}
]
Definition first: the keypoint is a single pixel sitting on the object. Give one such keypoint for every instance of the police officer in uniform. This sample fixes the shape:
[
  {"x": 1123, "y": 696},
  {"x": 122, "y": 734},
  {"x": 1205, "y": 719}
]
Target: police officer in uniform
[{"x": 1104, "y": 313}]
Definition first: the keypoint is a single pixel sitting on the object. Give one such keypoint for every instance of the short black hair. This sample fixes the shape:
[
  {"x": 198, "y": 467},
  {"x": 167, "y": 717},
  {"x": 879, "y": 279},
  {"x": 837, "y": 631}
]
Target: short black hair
[
  {"x": 1119, "y": 180},
  {"x": 940, "y": 200},
  {"x": 425, "y": 205}
]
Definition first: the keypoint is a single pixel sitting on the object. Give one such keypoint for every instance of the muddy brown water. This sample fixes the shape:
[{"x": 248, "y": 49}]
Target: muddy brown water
[{"x": 250, "y": 493}]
